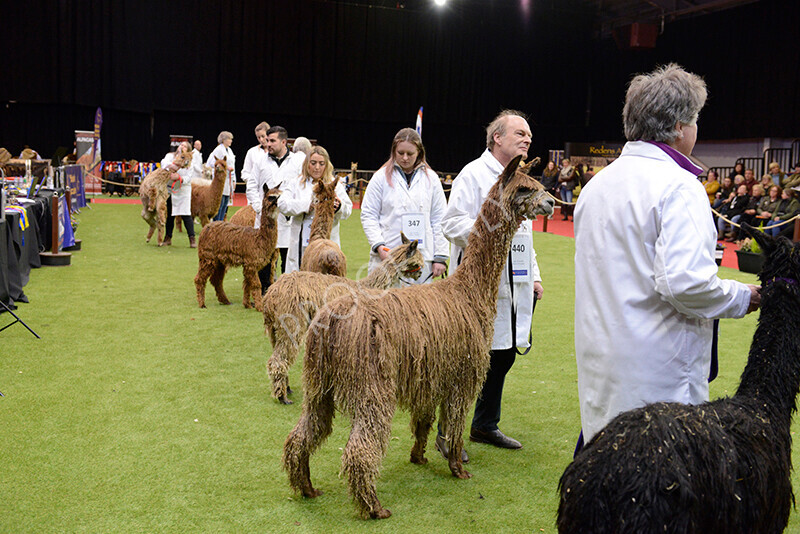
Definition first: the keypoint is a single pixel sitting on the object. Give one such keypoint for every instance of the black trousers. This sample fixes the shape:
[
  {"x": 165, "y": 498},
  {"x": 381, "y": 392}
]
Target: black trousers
[
  {"x": 487, "y": 407},
  {"x": 188, "y": 223}
]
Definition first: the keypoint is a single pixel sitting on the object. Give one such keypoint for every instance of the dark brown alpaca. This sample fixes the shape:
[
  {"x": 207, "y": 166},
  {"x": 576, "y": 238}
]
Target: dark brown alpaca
[
  {"x": 153, "y": 193},
  {"x": 222, "y": 245},
  {"x": 245, "y": 216},
  {"x": 291, "y": 302},
  {"x": 207, "y": 197},
  {"x": 323, "y": 255},
  {"x": 419, "y": 347},
  {"x": 719, "y": 467}
]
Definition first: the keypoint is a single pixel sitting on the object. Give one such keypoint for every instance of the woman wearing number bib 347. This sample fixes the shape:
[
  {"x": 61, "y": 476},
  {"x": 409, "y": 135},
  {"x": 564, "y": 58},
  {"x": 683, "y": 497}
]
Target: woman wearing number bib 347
[{"x": 405, "y": 195}]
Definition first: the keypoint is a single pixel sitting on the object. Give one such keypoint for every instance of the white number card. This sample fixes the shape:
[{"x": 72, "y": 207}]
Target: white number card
[
  {"x": 414, "y": 226},
  {"x": 521, "y": 257},
  {"x": 307, "y": 229}
]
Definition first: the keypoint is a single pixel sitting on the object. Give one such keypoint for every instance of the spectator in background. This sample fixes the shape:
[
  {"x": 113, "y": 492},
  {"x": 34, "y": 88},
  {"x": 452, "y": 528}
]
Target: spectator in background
[
  {"x": 723, "y": 196},
  {"x": 794, "y": 179},
  {"x": 786, "y": 209},
  {"x": 767, "y": 205},
  {"x": 766, "y": 182},
  {"x": 751, "y": 211},
  {"x": 734, "y": 212},
  {"x": 406, "y": 195},
  {"x": 749, "y": 180},
  {"x": 567, "y": 179},
  {"x": 550, "y": 179},
  {"x": 777, "y": 174},
  {"x": 712, "y": 185},
  {"x": 737, "y": 169},
  {"x": 223, "y": 150}
]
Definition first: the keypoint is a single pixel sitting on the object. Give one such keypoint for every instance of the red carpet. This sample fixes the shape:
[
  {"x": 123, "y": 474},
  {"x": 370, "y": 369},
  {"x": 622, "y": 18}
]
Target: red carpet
[{"x": 555, "y": 225}]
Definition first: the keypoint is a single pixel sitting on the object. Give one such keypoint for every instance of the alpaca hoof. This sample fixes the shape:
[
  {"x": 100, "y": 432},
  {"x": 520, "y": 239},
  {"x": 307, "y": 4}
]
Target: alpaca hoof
[
  {"x": 463, "y": 474},
  {"x": 202, "y": 305},
  {"x": 383, "y": 513},
  {"x": 284, "y": 400},
  {"x": 421, "y": 460},
  {"x": 311, "y": 493},
  {"x": 289, "y": 390}
]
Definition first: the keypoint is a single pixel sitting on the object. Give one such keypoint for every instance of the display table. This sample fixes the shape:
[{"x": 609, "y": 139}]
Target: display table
[{"x": 21, "y": 253}]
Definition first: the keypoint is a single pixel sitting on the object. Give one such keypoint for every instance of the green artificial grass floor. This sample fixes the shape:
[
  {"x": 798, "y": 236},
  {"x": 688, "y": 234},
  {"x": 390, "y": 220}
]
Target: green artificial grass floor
[{"x": 139, "y": 412}]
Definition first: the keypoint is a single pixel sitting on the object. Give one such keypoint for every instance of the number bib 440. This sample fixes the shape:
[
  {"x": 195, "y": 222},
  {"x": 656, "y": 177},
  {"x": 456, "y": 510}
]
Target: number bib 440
[
  {"x": 414, "y": 226},
  {"x": 521, "y": 257}
]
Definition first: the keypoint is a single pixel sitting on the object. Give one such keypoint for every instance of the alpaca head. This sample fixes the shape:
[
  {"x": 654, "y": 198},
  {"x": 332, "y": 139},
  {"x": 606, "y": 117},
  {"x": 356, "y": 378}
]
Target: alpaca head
[
  {"x": 270, "y": 202},
  {"x": 518, "y": 194},
  {"x": 407, "y": 258},
  {"x": 325, "y": 192},
  {"x": 182, "y": 159},
  {"x": 782, "y": 256}
]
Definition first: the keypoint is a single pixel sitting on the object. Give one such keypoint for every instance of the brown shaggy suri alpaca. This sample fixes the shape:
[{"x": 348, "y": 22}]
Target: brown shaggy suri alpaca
[
  {"x": 245, "y": 216},
  {"x": 291, "y": 302},
  {"x": 718, "y": 467},
  {"x": 222, "y": 245},
  {"x": 207, "y": 197},
  {"x": 418, "y": 347},
  {"x": 323, "y": 255},
  {"x": 154, "y": 194}
]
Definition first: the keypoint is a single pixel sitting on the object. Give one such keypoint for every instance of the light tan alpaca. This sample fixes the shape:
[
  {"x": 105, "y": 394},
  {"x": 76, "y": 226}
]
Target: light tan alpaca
[
  {"x": 206, "y": 198},
  {"x": 323, "y": 255},
  {"x": 417, "y": 347},
  {"x": 291, "y": 302},
  {"x": 222, "y": 245},
  {"x": 245, "y": 216},
  {"x": 153, "y": 193}
]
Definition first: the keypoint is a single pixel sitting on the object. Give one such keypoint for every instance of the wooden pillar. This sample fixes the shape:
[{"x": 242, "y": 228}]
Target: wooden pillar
[
  {"x": 54, "y": 257},
  {"x": 796, "y": 236}
]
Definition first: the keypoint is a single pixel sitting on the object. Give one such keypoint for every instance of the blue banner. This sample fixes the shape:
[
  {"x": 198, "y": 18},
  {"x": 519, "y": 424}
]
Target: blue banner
[{"x": 66, "y": 237}]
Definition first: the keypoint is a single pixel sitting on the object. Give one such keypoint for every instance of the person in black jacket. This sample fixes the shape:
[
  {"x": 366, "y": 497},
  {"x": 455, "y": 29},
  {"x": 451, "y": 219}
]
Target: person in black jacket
[{"x": 735, "y": 209}]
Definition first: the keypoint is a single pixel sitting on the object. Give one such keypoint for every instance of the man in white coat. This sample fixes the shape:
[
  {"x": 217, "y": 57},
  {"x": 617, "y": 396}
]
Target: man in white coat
[
  {"x": 506, "y": 137},
  {"x": 179, "y": 203},
  {"x": 646, "y": 284}
]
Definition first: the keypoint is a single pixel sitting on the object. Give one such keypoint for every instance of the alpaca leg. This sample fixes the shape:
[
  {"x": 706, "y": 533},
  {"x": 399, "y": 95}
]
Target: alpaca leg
[
  {"x": 217, "y": 277},
  {"x": 248, "y": 286},
  {"x": 314, "y": 426},
  {"x": 284, "y": 353},
  {"x": 203, "y": 272},
  {"x": 361, "y": 461},
  {"x": 421, "y": 423},
  {"x": 453, "y": 416},
  {"x": 150, "y": 234}
]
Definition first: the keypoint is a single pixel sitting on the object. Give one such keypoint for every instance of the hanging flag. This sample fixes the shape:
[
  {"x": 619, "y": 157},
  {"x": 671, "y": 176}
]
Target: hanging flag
[
  {"x": 98, "y": 123},
  {"x": 419, "y": 121}
]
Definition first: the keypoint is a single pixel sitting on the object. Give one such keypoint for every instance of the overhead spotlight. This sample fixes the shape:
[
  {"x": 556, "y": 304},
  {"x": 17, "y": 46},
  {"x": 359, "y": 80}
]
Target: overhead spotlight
[{"x": 440, "y": 2}]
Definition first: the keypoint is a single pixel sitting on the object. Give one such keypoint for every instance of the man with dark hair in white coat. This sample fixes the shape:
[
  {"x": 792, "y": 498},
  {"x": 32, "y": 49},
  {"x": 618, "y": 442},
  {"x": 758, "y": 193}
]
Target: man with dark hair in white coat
[{"x": 506, "y": 137}]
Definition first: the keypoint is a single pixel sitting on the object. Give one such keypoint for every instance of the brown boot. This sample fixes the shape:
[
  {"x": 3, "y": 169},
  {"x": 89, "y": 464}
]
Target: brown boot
[
  {"x": 167, "y": 242},
  {"x": 192, "y": 242}
]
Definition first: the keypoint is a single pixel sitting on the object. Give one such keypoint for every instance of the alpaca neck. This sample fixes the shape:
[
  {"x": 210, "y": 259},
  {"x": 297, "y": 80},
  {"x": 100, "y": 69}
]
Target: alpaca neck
[
  {"x": 218, "y": 183},
  {"x": 386, "y": 274},
  {"x": 772, "y": 373},
  {"x": 322, "y": 225},
  {"x": 485, "y": 257},
  {"x": 268, "y": 231}
]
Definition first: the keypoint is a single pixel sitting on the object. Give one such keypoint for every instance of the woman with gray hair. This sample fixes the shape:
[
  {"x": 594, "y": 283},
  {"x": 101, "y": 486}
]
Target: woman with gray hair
[
  {"x": 646, "y": 286},
  {"x": 223, "y": 150}
]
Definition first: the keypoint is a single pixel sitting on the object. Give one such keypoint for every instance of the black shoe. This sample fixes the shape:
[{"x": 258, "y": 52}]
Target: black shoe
[
  {"x": 441, "y": 446},
  {"x": 494, "y": 437}
]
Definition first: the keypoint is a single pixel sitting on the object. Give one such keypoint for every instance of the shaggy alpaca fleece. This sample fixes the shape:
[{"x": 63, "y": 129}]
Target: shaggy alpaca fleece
[
  {"x": 206, "y": 198},
  {"x": 246, "y": 216},
  {"x": 419, "y": 347},
  {"x": 153, "y": 193},
  {"x": 292, "y": 301},
  {"x": 222, "y": 245},
  {"x": 323, "y": 255},
  {"x": 718, "y": 467}
]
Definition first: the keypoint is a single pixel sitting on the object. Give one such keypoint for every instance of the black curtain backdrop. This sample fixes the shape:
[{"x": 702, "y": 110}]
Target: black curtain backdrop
[{"x": 351, "y": 76}]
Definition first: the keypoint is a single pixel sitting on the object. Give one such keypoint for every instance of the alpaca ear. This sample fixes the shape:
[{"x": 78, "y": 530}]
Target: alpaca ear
[
  {"x": 527, "y": 168},
  {"x": 265, "y": 187},
  {"x": 412, "y": 248},
  {"x": 335, "y": 183},
  {"x": 403, "y": 238},
  {"x": 510, "y": 170},
  {"x": 766, "y": 242}
]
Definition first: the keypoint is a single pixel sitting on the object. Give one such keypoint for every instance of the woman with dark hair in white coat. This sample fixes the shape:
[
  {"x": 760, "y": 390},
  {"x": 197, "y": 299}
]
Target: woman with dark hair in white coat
[
  {"x": 405, "y": 195},
  {"x": 223, "y": 150},
  {"x": 296, "y": 202}
]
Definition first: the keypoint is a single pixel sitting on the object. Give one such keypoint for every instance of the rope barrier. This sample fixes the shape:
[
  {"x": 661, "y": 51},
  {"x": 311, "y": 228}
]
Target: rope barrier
[{"x": 737, "y": 225}]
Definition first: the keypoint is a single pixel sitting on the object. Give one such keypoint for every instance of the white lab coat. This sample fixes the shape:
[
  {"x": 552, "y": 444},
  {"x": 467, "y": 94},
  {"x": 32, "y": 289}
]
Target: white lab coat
[
  {"x": 295, "y": 201},
  {"x": 222, "y": 152},
  {"x": 181, "y": 192},
  {"x": 256, "y": 172},
  {"x": 469, "y": 191},
  {"x": 646, "y": 287},
  {"x": 383, "y": 207},
  {"x": 274, "y": 176},
  {"x": 197, "y": 164}
]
